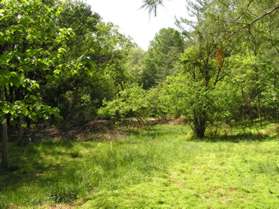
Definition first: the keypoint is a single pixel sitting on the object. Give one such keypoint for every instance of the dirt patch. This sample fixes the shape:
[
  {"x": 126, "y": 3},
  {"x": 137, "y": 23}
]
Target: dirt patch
[
  {"x": 61, "y": 206},
  {"x": 93, "y": 130}
]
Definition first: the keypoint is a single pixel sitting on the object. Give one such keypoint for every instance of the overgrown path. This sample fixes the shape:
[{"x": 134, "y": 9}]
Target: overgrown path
[{"x": 156, "y": 168}]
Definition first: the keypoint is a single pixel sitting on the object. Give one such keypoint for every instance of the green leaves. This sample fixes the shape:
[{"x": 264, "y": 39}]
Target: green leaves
[
  {"x": 29, "y": 49},
  {"x": 132, "y": 101},
  {"x": 162, "y": 56},
  {"x": 31, "y": 108},
  {"x": 64, "y": 35}
]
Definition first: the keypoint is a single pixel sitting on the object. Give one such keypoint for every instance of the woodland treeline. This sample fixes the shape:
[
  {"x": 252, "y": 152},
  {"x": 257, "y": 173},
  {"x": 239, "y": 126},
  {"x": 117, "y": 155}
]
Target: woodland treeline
[{"x": 61, "y": 64}]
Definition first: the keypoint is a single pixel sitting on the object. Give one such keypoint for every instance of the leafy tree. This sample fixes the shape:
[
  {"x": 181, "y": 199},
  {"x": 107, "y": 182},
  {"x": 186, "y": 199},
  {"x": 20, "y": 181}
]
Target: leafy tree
[
  {"x": 256, "y": 37},
  {"x": 162, "y": 56},
  {"x": 205, "y": 62},
  {"x": 92, "y": 68},
  {"x": 30, "y": 43}
]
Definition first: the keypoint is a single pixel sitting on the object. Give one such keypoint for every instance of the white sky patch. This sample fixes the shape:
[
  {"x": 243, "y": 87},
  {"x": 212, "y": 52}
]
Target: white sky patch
[{"x": 136, "y": 22}]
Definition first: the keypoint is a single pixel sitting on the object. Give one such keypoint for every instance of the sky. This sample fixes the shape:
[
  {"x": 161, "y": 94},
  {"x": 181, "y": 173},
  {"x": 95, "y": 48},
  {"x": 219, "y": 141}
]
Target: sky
[{"x": 136, "y": 22}]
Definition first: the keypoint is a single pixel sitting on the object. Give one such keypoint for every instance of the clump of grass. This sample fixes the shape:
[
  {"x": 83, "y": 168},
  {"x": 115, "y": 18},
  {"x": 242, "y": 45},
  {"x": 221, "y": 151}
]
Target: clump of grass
[
  {"x": 64, "y": 193},
  {"x": 75, "y": 154}
]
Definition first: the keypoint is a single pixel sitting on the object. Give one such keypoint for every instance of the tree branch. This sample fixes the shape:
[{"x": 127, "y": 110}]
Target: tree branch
[{"x": 270, "y": 12}]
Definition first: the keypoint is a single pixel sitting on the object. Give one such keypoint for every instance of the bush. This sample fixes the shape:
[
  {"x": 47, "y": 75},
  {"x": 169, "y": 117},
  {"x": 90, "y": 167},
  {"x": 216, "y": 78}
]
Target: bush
[{"x": 131, "y": 102}]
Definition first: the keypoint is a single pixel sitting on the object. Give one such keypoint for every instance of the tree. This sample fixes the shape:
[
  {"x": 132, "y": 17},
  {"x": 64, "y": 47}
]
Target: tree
[
  {"x": 152, "y": 5},
  {"x": 203, "y": 61},
  {"x": 162, "y": 56},
  {"x": 92, "y": 68},
  {"x": 31, "y": 44}
]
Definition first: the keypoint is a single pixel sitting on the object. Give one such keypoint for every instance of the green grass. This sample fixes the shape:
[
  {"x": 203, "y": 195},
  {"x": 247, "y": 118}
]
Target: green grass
[{"x": 161, "y": 167}]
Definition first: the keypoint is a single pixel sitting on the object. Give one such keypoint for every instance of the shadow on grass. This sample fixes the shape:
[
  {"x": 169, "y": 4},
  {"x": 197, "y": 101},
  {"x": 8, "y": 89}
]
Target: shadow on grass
[
  {"x": 158, "y": 132},
  {"x": 155, "y": 131},
  {"x": 236, "y": 138},
  {"x": 61, "y": 172},
  {"x": 32, "y": 174},
  {"x": 27, "y": 164}
]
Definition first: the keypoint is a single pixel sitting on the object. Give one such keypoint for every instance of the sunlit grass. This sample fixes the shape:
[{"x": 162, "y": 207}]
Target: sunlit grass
[{"x": 160, "y": 167}]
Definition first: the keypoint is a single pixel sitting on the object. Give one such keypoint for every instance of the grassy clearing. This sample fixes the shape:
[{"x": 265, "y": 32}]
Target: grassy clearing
[{"x": 156, "y": 168}]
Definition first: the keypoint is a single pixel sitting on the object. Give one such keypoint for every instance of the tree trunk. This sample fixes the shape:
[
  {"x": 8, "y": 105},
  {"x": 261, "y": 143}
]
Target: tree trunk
[
  {"x": 199, "y": 125},
  {"x": 4, "y": 163},
  {"x": 20, "y": 131}
]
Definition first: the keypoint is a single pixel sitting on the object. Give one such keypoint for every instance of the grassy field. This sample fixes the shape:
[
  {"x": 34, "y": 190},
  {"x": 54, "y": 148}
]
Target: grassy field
[{"x": 161, "y": 167}]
